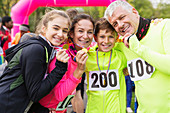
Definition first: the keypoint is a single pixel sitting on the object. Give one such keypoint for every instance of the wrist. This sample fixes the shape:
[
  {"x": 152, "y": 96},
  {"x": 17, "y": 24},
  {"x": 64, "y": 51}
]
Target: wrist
[{"x": 78, "y": 73}]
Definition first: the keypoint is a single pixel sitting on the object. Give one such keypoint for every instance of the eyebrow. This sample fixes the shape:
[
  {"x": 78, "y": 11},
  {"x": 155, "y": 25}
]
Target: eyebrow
[
  {"x": 65, "y": 28},
  {"x": 60, "y": 27},
  {"x": 56, "y": 25}
]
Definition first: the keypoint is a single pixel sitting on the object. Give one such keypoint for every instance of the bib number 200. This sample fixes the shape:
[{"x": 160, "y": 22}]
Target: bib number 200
[{"x": 101, "y": 81}]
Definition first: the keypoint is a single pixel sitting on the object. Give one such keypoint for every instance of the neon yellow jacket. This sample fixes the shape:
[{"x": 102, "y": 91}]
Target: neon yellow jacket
[
  {"x": 108, "y": 101},
  {"x": 153, "y": 94}
]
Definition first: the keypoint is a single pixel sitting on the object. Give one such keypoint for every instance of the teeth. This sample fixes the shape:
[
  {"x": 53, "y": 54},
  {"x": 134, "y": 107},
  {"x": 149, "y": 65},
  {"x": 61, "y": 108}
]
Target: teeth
[
  {"x": 82, "y": 41},
  {"x": 57, "y": 39},
  {"x": 125, "y": 29},
  {"x": 106, "y": 45}
]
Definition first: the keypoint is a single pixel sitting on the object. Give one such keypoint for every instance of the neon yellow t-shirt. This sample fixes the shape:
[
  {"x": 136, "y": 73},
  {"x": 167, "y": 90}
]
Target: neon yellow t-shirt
[
  {"x": 153, "y": 94},
  {"x": 106, "y": 100}
]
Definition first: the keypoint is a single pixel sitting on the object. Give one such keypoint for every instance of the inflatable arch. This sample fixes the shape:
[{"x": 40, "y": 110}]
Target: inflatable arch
[{"x": 21, "y": 11}]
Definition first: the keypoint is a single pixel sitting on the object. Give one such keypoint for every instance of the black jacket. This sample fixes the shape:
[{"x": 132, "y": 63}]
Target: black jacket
[{"x": 23, "y": 78}]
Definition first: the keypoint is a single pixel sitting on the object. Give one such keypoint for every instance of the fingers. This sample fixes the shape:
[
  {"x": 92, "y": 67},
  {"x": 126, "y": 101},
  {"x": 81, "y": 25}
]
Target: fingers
[
  {"x": 81, "y": 57},
  {"x": 62, "y": 55},
  {"x": 126, "y": 43},
  {"x": 126, "y": 38}
]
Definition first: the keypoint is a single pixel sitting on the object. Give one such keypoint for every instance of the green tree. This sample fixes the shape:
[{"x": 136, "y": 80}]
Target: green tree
[
  {"x": 144, "y": 7},
  {"x": 163, "y": 10},
  {"x": 37, "y": 14},
  {"x": 5, "y": 7}
]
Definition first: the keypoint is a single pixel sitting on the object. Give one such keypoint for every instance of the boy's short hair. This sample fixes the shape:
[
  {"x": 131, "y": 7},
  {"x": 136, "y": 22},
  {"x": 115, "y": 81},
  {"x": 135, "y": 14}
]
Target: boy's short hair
[{"x": 102, "y": 24}]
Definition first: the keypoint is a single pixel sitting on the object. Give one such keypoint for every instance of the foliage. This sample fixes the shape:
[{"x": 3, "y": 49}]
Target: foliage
[
  {"x": 5, "y": 7},
  {"x": 162, "y": 10},
  {"x": 95, "y": 12},
  {"x": 144, "y": 7}
]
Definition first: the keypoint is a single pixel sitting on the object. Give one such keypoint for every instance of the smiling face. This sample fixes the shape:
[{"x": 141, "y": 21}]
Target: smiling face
[
  {"x": 105, "y": 40},
  {"x": 83, "y": 34},
  {"x": 124, "y": 21},
  {"x": 56, "y": 30}
]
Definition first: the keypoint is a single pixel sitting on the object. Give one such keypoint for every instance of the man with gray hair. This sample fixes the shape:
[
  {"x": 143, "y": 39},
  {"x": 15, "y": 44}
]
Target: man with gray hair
[{"x": 147, "y": 49}]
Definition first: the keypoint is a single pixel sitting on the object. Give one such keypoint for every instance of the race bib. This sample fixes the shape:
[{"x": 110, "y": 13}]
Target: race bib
[
  {"x": 98, "y": 80},
  {"x": 139, "y": 69},
  {"x": 63, "y": 105}
]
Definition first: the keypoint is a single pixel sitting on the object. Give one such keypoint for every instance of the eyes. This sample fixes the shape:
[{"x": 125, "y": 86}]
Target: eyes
[
  {"x": 65, "y": 30},
  {"x": 115, "y": 24},
  {"x": 102, "y": 36},
  {"x": 82, "y": 31}
]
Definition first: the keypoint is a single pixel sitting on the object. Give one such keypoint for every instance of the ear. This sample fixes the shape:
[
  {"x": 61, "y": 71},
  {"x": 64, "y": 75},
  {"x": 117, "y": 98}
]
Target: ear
[
  {"x": 134, "y": 11},
  {"x": 95, "y": 38},
  {"x": 44, "y": 29}
]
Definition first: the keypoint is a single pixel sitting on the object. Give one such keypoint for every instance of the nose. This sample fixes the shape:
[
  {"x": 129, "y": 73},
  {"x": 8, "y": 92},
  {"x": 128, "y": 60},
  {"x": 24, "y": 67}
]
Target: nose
[
  {"x": 106, "y": 39},
  {"x": 85, "y": 35},
  {"x": 120, "y": 24},
  {"x": 60, "y": 33}
]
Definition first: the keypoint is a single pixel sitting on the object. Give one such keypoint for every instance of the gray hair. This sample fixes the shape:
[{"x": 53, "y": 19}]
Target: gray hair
[{"x": 111, "y": 8}]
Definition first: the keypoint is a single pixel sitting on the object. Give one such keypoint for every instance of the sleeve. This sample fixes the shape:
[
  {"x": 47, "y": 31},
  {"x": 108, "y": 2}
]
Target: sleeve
[
  {"x": 34, "y": 67},
  {"x": 3, "y": 41},
  {"x": 158, "y": 60},
  {"x": 66, "y": 86},
  {"x": 124, "y": 63}
]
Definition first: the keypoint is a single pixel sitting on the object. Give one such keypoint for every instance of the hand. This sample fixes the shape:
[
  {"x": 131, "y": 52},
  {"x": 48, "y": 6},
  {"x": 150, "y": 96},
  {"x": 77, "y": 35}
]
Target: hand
[
  {"x": 125, "y": 71},
  {"x": 62, "y": 55},
  {"x": 81, "y": 59},
  {"x": 125, "y": 39}
]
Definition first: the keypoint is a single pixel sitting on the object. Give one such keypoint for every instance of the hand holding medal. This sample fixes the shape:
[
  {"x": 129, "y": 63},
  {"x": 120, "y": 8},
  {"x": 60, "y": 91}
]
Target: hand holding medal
[{"x": 62, "y": 55}]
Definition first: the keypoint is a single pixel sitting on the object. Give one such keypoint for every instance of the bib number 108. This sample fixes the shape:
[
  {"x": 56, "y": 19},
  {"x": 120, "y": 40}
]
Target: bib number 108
[{"x": 139, "y": 69}]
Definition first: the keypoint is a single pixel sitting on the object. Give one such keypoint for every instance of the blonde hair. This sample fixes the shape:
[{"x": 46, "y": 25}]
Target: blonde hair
[{"x": 49, "y": 16}]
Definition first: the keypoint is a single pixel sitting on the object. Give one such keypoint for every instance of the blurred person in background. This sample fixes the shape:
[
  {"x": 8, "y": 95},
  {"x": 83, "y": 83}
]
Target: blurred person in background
[
  {"x": 5, "y": 33},
  {"x": 23, "y": 28}
]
